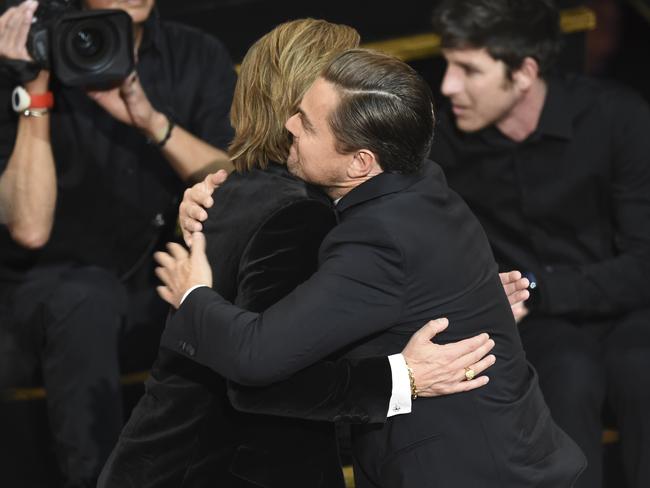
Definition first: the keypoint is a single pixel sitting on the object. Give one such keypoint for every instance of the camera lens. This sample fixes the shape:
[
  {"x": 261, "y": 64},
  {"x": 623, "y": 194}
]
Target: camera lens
[
  {"x": 92, "y": 48},
  {"x": 88, "y": 43}
]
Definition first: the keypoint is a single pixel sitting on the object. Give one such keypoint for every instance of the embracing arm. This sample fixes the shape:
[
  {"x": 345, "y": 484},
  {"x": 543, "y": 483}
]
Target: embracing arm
[
  {"x": 281, "y": 255},
  {"x": 318, "y": 318}
]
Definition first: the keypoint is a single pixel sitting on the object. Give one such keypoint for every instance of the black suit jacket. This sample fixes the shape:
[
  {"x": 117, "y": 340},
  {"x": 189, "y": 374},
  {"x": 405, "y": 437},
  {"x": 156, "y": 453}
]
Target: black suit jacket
[
  {"x": 406, "y": 250},
  {"x": 262, "y": 233}
]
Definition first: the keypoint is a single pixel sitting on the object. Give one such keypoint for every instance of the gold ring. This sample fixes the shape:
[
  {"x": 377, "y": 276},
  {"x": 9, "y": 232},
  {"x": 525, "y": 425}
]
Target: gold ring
[{"x": 469, "y": 374}]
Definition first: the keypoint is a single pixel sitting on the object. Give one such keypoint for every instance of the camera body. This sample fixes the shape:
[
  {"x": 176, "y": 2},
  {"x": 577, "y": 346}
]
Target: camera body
[{"x": 82, "y": 47}]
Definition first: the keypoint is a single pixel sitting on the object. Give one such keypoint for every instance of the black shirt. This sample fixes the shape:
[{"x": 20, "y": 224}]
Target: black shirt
[
  {"x": 571, "y": 203},
  {"x": 117, "y": 193}
]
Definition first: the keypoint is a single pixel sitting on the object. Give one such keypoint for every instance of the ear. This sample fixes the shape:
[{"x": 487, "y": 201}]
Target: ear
[
  {"x": 527, "y": 74},
  {"x": 363, "y": 164}
]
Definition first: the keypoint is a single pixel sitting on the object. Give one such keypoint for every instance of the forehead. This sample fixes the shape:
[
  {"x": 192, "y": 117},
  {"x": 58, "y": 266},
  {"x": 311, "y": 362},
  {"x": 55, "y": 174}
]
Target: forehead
[
  {"x": 469, "y": 55},
  {"x": 319, "y": 101}
]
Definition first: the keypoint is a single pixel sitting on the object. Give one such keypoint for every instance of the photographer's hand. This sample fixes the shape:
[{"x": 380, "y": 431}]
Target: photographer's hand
[
  {"x": 14, "y": 27},
  {"x": 191, "y": 157},
  {"x": 129, "y": 104}
]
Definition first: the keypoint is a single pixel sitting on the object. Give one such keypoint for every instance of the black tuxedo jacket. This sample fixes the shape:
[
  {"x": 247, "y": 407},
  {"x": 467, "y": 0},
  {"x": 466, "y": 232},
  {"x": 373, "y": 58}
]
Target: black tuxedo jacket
[
  {"x": 406, "y": 250},
  {"x": 263, "y": 234}
]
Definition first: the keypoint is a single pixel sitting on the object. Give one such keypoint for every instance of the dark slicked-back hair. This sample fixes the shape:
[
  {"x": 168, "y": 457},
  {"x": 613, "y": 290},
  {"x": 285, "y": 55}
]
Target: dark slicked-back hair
[
  {"x": 384, "y": 106},
  {"x": 510, "y": 30}
]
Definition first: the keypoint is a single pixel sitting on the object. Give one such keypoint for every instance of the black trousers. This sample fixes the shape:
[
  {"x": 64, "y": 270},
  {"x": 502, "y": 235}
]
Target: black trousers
[
  {"x": 584, "y": 363},
  {"x": 65, "y": 327}
]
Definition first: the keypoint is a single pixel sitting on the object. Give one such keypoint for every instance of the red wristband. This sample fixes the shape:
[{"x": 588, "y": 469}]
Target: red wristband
[{"x": 42, "y": 100}]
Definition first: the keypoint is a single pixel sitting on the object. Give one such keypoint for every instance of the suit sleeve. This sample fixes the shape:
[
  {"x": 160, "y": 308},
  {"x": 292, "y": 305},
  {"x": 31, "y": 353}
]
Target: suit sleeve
[
  {"x": 356, "y": 292},
  {"x": 281, "y": 255},
  {"x": 618, "y": 284},
  {"x": 332, "y": 391}
]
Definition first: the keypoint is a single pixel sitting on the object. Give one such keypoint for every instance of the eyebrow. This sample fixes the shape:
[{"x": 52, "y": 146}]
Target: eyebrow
[{"x": 468, "y": 66}]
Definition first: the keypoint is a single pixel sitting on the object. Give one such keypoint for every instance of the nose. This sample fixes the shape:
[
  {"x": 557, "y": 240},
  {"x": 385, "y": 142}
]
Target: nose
[
  {"x": 452, "y": 82},
  {"x": 291, "y": 124}
]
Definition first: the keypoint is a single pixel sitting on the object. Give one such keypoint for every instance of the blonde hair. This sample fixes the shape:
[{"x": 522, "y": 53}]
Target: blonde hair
[{"x": 275, "y": 73}]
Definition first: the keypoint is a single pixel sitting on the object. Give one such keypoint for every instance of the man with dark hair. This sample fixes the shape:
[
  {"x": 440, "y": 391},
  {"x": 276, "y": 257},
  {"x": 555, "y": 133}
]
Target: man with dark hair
[
  {"x": 406, "y": 249},
  {"x": 557, "y": 171}
]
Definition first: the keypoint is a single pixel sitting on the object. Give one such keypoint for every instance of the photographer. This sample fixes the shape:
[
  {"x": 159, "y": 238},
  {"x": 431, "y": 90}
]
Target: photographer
[{"x": 89, "y": 187}]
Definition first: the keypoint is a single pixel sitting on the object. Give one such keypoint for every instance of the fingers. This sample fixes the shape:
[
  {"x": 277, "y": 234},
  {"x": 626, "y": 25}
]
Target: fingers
[
  {"x": 14, "y": 27},
  {"x": 518, "y": 297},
  {"x": 195, "y": 210},
  {"x": 519, "y": 311},
  {"x": 460, "y": 349},
  {"x": 470, "y": 385},
  {"x": 509, "y": 277},
  {"x": 129, "y": 87},
  {"x": 215, "y": 180},
  {"x": 432, "y": 328},
  {"x": 191, "y": 211},
  {"x": 163, "y": 259},
  {"x": 513, "y": 281},
  {"x": 176, "y": 251},
  {"x": 195, "y": 199},
  {"x": 18, "y": 27},
  {"x": 473, "y": 356},
  {"x": 478, "y": 367},
  {"x": 166, "y": 294},
  {"x": 198, "y": 245},
  {"x": 483, "y": 364},
  {"x": 163, "y": 275}
]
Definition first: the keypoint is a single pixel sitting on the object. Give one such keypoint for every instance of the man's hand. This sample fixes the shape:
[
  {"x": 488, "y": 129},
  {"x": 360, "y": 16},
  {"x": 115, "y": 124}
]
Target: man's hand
[
  {"x": 440, "y": 369},
  {"x": 516, "y": 288},
  {"x": 195, "y": 200},
  {"x": 14, "y": 27},
  {"x": 179, "y": 270}
]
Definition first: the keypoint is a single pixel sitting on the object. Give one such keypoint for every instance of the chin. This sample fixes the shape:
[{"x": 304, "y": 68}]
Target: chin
[
  {"x": 469, "y": 125},
  {"x": 139, "y": 16}
]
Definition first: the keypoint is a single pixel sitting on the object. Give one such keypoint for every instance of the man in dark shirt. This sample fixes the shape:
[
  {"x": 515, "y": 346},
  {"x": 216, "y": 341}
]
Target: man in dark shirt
[
  {"x": 557, "y": 170},
  {"x": 88, "y": 189}
]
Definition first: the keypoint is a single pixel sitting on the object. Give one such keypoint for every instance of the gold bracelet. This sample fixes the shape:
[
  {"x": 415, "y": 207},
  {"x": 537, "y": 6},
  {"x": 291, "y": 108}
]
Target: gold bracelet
[{"x": 414, "y": 389}]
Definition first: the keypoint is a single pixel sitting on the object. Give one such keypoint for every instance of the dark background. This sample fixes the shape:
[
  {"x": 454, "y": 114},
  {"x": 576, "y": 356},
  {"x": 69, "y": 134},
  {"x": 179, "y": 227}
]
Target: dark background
[{"x": 616, "y": 49}]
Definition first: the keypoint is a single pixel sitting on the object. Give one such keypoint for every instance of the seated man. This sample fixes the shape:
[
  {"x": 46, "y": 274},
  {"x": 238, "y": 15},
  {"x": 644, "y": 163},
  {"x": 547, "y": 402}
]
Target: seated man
[
  {"x": 557, "y": 169},
  {"x": 88, "y": 189}
]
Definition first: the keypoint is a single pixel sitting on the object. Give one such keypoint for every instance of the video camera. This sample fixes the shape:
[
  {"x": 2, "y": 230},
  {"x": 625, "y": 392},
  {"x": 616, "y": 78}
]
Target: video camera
[{"x": 81, "y": 47}]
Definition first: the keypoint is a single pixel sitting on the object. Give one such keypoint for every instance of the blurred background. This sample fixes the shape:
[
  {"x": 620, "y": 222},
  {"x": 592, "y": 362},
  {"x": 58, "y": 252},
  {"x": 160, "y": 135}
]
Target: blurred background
[{"x": 606, "y": 38}]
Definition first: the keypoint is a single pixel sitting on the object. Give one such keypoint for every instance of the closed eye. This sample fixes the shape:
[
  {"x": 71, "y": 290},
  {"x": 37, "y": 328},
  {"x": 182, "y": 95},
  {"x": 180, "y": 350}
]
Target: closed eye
[{"x": 306, "y": 123}]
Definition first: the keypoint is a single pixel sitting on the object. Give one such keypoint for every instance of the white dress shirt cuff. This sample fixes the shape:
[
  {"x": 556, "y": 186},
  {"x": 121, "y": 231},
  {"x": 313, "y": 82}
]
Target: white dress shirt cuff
[
  {"x": 400, "y": 399},
  {"x": 188, "y": 292}
]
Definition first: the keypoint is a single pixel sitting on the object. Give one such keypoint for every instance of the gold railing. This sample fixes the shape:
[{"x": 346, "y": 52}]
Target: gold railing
[{"x": 422, "y": 46}]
